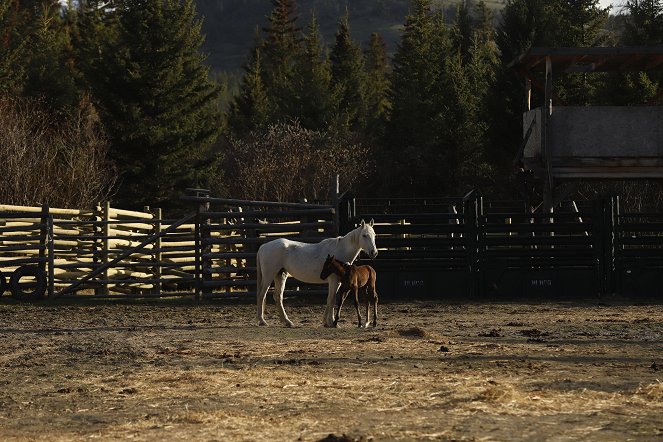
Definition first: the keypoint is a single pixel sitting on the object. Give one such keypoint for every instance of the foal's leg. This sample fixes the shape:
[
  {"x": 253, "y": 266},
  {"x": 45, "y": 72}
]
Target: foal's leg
[
  {"x": 375, "y": 310},
  {"x": 359, "y": 324},
  {"x": 279, "y": 287},
  {"x": 342, "y": 294},
  {"x": 368, "y": 304}
]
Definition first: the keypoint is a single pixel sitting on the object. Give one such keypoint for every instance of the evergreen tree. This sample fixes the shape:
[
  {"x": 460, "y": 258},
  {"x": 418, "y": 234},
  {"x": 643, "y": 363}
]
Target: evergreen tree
[
  {"x": 160, "y": 105},
  {"x": 643, "y": 24},
  {"x": 582, "y": 24},
  {"x": 282, "y": 51},
  {"x": 50, "y": 69},
  {"x": 318, "y": 99},
  {"x": 250, "y": 108},
  {"x": 377, "y": 87},
  {"x": 416, "y": 96},
  {"x": 470, "y": 69},
  {"x": 12, "y": 48},
  {"x": 96, "y": 27},
  {"x": 415, "y": 75},
  {"x": 348, "y": 75}
]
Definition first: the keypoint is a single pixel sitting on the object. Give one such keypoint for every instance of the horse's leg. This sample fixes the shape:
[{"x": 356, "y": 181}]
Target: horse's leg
[
  {"x": 279, "y": 287},
  {"x": 262, "y": 286},
  {"x": 375, "y": 310},
  {"x": 333, "y": 284},
  {"x": 359, "y": 324},
  {"x": 368, "y": 304}
]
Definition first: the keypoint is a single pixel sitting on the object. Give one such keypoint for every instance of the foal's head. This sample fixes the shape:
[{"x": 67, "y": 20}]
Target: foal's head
[{"x": 331, "y": 265}]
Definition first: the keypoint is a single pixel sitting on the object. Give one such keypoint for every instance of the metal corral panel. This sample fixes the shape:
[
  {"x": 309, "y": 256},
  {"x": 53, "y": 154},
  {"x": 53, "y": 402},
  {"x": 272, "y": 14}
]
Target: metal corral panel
[
  {"x": 426, "y": 283},
  {"x": 598, "y": 141},
  {"x": 640, "y": 281},
  {"x": 561, "y": 283}
]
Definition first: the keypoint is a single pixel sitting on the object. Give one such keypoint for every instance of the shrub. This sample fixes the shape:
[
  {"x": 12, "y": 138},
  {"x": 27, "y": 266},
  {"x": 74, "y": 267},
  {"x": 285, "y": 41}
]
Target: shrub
[
  {"x": 286, "y": 162},
  {"x": 61, "y": 162}
]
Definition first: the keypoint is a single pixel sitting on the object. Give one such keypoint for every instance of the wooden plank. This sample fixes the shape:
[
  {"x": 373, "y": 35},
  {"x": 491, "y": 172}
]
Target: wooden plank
[{"x": 53, "y": 210}]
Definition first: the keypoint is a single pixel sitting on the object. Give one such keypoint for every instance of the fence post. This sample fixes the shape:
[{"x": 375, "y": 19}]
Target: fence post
[
  {"x": 157, "y": 272},
  {"x": 609, "y": 248},
  {"x": 472, "y": 208},
  {"x": 335, "y": 203},
  {"x": 617, "y": 246},
  {"x": 598, "y": 237},
  {"x": 105, "y": 251},
  {"x": 43, "y": 237},
  {"x": 203, "y": 207},
  {"x": 51, "y": 257}
]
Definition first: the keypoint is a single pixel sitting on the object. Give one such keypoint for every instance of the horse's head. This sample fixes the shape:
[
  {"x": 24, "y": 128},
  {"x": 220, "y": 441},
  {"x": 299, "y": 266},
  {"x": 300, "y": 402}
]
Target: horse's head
[
  {"x": 367, "y": 238},
  {"x": 327, "y": 267}
]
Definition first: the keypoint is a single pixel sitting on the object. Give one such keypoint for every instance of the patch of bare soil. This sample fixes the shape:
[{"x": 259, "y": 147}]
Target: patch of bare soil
[{"x": 429, "y": 371}]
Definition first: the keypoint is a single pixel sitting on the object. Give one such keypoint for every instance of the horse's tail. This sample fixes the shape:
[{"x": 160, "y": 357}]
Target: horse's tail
[
  {"x": 258, "y": 274},
  {"x": 260, "y": 294}
]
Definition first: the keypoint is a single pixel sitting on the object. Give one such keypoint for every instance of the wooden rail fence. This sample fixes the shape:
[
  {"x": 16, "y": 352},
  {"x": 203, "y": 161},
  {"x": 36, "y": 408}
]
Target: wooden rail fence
[{"x": 428, "y": 247}]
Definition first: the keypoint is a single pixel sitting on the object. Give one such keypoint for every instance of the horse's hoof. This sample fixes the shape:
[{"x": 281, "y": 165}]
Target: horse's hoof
[
  {"x": 262, "y": 324},
  {"x": 289, "y": 324}
]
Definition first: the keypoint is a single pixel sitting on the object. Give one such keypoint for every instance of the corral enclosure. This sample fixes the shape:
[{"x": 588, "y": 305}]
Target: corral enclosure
[
  {"x": 436, "y": 248},
  {"x": 174, "y": 369}
]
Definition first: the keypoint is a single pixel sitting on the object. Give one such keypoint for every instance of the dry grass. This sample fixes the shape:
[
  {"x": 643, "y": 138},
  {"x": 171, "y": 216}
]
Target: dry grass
[{"x": 201, "y": 373}]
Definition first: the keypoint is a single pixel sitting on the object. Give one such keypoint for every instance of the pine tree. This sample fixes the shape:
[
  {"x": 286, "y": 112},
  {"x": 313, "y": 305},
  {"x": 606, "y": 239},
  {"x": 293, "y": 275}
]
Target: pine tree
[
  {"x": 12, "y": 48},
  {"x": 318, "y": 99},
  {"x": 468, "y": 76},
  {"x": 282, "y": 51},
  {"x": 415, "y": 77},
  {"x": 642, "y": 26},
  {"x": 96, "y": 27},
  {"x": 581, "y": 25},
  {"x": 470, "y": 70},
  {"x": 377, "y": 87},
  {"x": 643, "y": 23},
  {"x": 159, "y": 103},
  {"x": 50, "y": 70},
  {"x": 347, "y": 67},
  {"x": 250, "y": 109}
]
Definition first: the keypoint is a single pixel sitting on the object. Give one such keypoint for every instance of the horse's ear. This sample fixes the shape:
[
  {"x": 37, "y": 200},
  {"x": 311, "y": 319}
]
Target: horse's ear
[
  {"x": 370, "y": 223},
  {"x": 328, "y": 256},
  {"x": 362, "y": 223}
]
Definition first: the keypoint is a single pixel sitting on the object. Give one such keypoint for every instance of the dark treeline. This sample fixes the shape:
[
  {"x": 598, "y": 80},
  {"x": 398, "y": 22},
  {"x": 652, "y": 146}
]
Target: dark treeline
[{"x": 439, "y": 114}]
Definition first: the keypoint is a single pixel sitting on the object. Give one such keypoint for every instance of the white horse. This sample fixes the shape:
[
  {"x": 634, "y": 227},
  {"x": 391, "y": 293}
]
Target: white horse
[{"x": 281, "y": 258}]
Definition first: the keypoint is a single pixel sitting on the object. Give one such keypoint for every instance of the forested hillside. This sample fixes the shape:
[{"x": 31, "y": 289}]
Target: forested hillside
[
  {"x": 230, "y": 25},
  {"x": 398, "y": 97}
]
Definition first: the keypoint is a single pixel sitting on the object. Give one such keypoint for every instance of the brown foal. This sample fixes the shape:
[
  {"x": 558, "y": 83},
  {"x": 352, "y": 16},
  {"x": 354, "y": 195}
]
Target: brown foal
[{"x": 355, "y": 278}]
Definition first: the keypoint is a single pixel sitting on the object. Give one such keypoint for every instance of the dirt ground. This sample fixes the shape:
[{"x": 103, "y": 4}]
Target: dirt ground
[{"x": 429, "y": 371}]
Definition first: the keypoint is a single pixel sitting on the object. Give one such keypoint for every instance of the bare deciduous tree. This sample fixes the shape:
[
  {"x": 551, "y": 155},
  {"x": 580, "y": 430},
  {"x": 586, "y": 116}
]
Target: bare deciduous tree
[
  {"x": 62, "y": 163},
  {"x": 289, "y": 163}
]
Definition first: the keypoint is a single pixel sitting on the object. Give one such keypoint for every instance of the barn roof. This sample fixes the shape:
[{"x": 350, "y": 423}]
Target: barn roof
[{"x": 603, "y": 59}]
